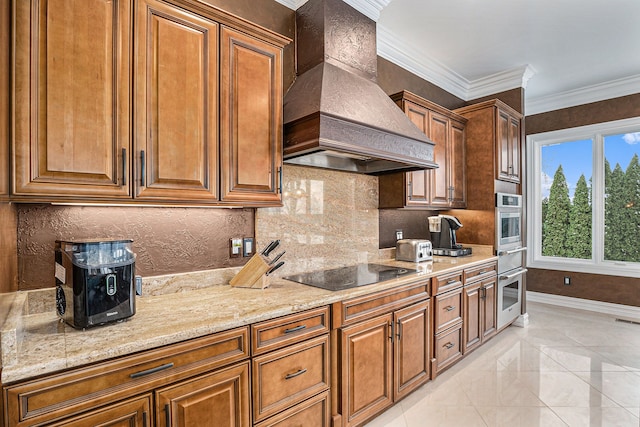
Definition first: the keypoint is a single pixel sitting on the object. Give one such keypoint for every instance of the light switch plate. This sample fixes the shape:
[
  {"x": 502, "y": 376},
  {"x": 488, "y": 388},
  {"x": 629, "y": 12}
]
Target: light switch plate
[
  {"x": 235, "y": 247},
  {"x": 247, "y": 246}
]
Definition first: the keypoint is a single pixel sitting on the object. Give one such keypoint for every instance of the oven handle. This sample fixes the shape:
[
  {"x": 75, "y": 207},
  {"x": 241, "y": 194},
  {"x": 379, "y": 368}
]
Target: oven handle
[
  {"x": 512, "y": 251},
  {"x": 512, "y": 275}
]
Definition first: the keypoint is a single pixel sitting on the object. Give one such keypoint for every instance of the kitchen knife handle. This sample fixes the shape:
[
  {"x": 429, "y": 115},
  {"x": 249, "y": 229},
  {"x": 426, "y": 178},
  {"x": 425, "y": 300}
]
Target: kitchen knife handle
[
  {"x": 124, "y": 167},
  {"x": 295, "y": 374},
  {"x": 142, "y": 168},
  {"x": 151, "y": 371},
  {"x": 296, "y": 329}
]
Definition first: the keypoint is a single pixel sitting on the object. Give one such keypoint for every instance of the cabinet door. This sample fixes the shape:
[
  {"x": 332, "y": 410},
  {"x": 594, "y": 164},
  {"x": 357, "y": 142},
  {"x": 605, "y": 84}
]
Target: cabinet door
[
  {"x": 472, "y": 317},
  {"x": 439, "y": 178},
  {"x": 175, "y": 104},
  {"x": 71, "y": 98},
  {"x": 366, "y": 369},
  {"x": 489, "y": 313},
  {"x": 250, "y": 119},
  {"x": 417, "y": 181},
  {"x": 514, "y": 148},
  {"x": 218, "y": 399},
  {"x": 130, "y": 413},
  {"x": 412, "y": 350},
  {"x": 508, "y": 147},
  {"x": 457, "y": 166}
]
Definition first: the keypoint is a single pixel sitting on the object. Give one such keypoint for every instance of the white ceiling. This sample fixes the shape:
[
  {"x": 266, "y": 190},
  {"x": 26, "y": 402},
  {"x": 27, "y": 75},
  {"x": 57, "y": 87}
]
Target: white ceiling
[{"x": 563, "y": 52}]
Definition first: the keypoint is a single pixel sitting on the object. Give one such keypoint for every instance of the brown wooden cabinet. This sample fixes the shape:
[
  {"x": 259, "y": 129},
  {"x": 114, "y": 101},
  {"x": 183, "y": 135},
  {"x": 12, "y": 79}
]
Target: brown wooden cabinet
[
  {"x": 441, "y": 188},
  {"x": 479, "y": 306},
  {"x": 175, "y": 104},
  {"x": 385, "y": 350},
  {"x": 494, "y": 127},
  {"x": 71, "y": 106},
  {"x": 219, "y": 399},
  {"x": 290, "y": 366},
  {"x": 101, "y": 391},
  {"x": 197, "y": 81},
  {"x": 250, "y": 118},
  {"x": 134, "y": 412}
]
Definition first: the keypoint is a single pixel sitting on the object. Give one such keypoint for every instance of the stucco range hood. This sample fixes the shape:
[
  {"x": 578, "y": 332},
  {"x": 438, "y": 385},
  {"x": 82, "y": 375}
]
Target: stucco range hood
[{"x": 335, "y": 115}]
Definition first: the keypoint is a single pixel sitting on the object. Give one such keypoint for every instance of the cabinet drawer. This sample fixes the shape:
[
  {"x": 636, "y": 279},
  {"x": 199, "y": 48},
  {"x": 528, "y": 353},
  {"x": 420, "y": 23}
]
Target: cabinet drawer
[
  {"x": 68, "y": 393},
  {"x": 446, "y": 282},
  {"x": 314, "y": 412},
  {"x": 448, "y": 310},
  {"x": 277, "y": 333},
  {"x": 447, "y": 348},
  {"x": 369, "y": 306},
  {"x": 285, "y": 377},
  {"x": 480, "y": 271}
]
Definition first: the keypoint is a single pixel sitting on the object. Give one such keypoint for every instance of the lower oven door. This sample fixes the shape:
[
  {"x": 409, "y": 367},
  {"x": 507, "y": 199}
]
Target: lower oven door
[{"x": 509, "y": 296}]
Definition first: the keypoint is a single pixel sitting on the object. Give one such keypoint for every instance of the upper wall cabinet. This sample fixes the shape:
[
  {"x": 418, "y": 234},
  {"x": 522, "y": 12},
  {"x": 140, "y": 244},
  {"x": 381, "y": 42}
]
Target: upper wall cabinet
[
  {"x": 71, "y": 106},
  {"x": 187, "y": 108},
  {"x": 494, "y": 127},
  {"x": 441, "y": 188}
]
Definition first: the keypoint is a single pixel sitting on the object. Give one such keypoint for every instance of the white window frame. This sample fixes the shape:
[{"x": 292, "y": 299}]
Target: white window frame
[{"x": 596, "y": 264}]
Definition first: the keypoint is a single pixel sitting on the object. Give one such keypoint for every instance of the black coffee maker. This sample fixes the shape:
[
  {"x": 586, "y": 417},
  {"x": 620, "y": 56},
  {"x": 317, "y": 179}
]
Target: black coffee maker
[{"x": 443, "y": 236}]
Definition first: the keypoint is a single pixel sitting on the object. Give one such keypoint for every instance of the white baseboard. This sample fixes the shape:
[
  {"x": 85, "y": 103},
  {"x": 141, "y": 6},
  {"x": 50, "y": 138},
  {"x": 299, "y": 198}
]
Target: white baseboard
[{"x": 620, "y": 311}]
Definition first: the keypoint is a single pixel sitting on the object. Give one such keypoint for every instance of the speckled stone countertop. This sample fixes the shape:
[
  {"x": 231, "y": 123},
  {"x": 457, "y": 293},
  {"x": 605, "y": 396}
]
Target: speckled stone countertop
[{"x": 35, "y": 342}]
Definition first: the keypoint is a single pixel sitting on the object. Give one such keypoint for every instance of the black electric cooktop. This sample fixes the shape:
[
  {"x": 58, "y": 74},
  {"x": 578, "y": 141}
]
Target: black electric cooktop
[{"x": 341, "y": 278}]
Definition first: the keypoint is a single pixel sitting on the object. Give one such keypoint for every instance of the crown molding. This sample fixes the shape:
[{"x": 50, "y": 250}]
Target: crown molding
[
  {"x": 585, "y": 95},
  {"x": 499, "y": 82},
  {"x": 406, "y": 56},
  {"x": 369, "y": 8}
]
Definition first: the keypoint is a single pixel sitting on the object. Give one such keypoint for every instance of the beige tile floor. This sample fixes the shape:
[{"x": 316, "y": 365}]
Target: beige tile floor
[{"x": 568, "y": 368}]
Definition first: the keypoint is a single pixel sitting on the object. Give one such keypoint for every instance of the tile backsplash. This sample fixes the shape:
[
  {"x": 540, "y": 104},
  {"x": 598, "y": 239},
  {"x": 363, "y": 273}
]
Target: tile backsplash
[{"x": 329, "y": 219}]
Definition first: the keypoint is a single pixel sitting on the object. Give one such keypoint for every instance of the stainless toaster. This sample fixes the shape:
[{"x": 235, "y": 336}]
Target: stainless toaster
[{"x": 414, "y": 250}]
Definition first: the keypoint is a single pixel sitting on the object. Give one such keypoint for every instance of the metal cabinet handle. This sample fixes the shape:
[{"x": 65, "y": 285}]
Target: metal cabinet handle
[
  {"x": 124, "y": 167},
  {"x": 449, "y": 308},
  {"x": 280, "y": 180},
  {"x": 295, "y": 374},
  {"x": 450, "y": 281},
  {"x": 145, "y": 421},
  {"x": 512, "y": 251},
  {"x": 152, "y": 370},
  {"x": 399, "y": 334},
  {"x": 167, "y": 415},
  {"x": 410, "y": 190},
  {"x": 296, "y": 329},
  {"x": 391, "y": 328},
  {"x": 448, "y": 345},
  {"x": 142, "y": 168}
]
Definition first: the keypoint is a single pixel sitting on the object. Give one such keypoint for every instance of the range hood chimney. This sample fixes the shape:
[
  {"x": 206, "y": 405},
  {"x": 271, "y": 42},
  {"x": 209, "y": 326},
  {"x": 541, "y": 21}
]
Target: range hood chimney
[{"x": 335, "y": 114}]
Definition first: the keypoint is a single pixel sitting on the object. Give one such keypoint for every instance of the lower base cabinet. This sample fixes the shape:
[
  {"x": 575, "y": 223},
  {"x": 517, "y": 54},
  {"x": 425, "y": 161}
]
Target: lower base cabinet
[
  {"x": 384, "y": 358},
  {"x": 314, "y": 412},
  {"x": 219, "y": 399}
]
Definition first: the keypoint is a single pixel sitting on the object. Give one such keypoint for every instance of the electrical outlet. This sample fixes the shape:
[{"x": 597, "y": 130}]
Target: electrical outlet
[
  {"x": 235, "y": 247},
  {"x": 399, "y": 235},
  {"x": 567, "y": 280},
  {"x": 247, "y": 246}
]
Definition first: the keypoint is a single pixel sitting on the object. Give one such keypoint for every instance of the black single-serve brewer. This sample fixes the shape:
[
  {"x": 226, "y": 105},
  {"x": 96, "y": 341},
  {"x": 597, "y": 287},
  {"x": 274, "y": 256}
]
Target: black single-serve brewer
[
  {"x": 443, "y": 236},
  {"x": 94, "y": 281}
]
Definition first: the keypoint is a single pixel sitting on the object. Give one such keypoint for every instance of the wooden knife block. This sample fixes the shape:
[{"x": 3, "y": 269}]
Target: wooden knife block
[{"x": 252, "y": 274}]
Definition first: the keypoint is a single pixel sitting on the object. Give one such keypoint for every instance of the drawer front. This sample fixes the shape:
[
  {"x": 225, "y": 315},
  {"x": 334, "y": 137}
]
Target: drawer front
[
  {"x": 480, "y": 271},
  {"x": 314, "y": 412},
  {"x": 286, "y": 377},
  {"x": 446, "y": 282},
  {"x": 287, "y": 330},
  {"x": 366, "y": 307},
  {"x": 448, "y": 347},
  {"x": 72, "y": 392},
  {"x": 448, "y": 310}
]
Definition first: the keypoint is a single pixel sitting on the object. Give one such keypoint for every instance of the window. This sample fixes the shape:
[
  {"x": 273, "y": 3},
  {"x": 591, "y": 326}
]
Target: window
[{"x": 584, "y": 199}]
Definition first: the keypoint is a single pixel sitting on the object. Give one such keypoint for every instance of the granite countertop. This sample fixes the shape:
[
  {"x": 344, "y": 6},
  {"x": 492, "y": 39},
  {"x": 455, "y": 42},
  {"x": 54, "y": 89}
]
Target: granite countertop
[{"x": 34, "y": 342}]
